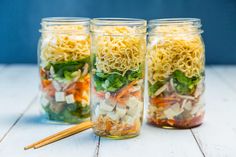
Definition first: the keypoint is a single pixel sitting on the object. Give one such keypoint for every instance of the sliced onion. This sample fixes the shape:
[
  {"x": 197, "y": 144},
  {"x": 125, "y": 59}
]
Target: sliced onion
[{"x": 160, "y": 90}]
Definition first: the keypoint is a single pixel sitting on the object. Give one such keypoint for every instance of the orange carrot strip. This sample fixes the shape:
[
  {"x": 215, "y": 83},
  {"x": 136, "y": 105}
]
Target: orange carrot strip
[
  {"x": 48, "y": 87},
  {"x": 125, "y": 90},
  {"x": 122, "y": 101},
  {"x": 42, "y": 73},
  {"x": 100, "y": 94},
  {"x": 137, "y": 94},
  {"x": 164, "y": 99}
]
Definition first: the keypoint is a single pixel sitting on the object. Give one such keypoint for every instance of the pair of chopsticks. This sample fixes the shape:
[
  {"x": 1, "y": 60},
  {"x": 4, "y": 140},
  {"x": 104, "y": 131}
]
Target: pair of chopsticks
[{"x": 60, "y": 135}]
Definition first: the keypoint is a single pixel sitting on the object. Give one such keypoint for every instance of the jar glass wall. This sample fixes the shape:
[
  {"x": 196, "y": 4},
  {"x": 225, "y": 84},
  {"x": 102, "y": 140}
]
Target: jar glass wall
[
  {"x": 117, "y": 79},
  {"x": 176, "y": 60},
  {"x": 64, "y": 62}
]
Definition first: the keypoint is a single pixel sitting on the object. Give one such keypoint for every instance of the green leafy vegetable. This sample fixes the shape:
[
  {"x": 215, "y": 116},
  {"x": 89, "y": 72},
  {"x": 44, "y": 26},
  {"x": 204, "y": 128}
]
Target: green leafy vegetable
[
  {"x": 68, "y": 75},
  {"x": 65, "y": 69},
  {"x": 109, "y": 82},
  {"x": 102, "y": 75},
  {"x": 93, "y": 60},
  {"x": 114, "y": 81},
  {"x": 153, "y": 88},
  {"x": 72, "y": 113},
  {"x": 183, "y": 84},
  {"x": 98, "y": 83},
  {"x": 135, "y": 75}
]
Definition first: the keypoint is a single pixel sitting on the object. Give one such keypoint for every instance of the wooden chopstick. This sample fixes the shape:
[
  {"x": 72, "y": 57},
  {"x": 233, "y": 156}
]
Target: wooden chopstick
[{"x": 60, "y": 135}]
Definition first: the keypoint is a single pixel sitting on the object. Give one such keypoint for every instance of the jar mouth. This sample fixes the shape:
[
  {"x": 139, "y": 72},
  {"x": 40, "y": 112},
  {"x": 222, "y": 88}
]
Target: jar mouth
[
  {"x": 118, "y": 22},
  {"x": 175, "y": 21},
  {"x": 194, "y": 24},
  {"x": 52, "y": 20},
  {"x": 49, "y": 22},
  {"x": 99, "y": 25}
]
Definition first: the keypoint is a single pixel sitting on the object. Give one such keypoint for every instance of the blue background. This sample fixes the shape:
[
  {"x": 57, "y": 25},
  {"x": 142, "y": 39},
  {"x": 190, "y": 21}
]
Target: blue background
[{"x": 20, "y": 21}]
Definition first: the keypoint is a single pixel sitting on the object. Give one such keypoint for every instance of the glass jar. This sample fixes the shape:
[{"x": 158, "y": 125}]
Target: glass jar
[
  {"x": 176, "y": 60},
  {"x": 64, "y": 62},
  {"x": 117, "y": 81}
]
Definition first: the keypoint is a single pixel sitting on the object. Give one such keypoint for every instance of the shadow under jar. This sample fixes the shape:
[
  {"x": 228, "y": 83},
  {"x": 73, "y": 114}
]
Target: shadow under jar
[
  {"x": 176, "y": 61},
  {"x": 64, "y": 62},
  {"x": 117, "y": 80}
]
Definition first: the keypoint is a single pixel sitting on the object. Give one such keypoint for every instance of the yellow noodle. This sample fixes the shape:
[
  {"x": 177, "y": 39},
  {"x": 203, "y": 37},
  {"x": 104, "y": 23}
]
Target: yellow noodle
[
  {"x": 64, "y": 43},
  {"x": 174, "y": 47},
  {"x": 119, "y": 48}
]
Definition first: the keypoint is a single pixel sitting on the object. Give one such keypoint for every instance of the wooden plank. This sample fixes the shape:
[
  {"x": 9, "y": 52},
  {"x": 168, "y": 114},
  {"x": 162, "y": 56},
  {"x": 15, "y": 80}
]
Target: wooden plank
[
  {"x": 2, "y": 66},
  {"x": 31, "y": 128},
  {"x": 227, "y": 74},
  {"x": 152, "y": 142},
  {"x": 218, "y": 133},
  {"x": 18, "y": 86}
]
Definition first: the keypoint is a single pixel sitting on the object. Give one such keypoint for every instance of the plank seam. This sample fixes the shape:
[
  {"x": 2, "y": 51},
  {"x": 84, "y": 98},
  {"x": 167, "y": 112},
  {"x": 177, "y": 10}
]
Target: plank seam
[
  {"x": 198, "y": 143},
  {"x": 18, "y": 119},
  {"x": 98, "y": 147}
]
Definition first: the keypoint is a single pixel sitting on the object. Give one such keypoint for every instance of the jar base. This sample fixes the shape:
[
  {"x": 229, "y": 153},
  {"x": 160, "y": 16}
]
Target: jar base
[
  {"x": 123, "y": 137},
  {"x": 173, "y": 127},
  {"x": 180, "y": 124},
  {"x": 46, "y": 119}
]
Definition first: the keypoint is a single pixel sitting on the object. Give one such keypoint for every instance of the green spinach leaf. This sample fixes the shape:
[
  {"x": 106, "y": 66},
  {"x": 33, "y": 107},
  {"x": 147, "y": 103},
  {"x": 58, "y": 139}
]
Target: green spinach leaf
[
  {"x": 153, "y": 88},
  {"x": 183, "y": 84},
  {"x": 64, "y": 69}
]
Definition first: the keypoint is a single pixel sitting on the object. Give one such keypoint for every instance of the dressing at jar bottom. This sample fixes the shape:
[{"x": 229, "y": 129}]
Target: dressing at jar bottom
[
  {"x": 178, "y": 124},
  {"x": 117, "y": 137}
]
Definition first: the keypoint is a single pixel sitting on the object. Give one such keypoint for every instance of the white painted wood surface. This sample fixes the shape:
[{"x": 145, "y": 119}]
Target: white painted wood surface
[
  {"x": 2, "y": 66},
  {"x": 18, "y": 87},
  {"x": 217, "y": 135},
  {"x": 21, "y": 124}
]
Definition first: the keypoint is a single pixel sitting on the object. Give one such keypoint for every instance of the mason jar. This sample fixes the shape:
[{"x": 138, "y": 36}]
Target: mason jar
[
  {"x": 176, "y": 62},
  {"x": 117, "y": 77},
  {"x": 64, "y": 62}
]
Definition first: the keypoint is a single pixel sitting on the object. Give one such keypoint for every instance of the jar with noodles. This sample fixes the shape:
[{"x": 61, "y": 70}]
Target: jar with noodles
[
  {"x": 176, "y": 62},
  {"x": 117, "y": 79},
  {"x": 64, "y": 62}
]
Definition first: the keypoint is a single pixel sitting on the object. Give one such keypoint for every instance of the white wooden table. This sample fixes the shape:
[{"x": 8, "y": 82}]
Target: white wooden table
[{"x": 21, "y": 124}]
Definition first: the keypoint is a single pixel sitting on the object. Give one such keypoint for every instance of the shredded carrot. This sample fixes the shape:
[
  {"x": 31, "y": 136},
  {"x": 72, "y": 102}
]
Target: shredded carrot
[
  {"x": 48, "y": 87},
  {"x": 78, "y": 88},
  {"x": 164, "y": 99},
  {"x": 163, "y": 102},
  {"x": 45, "y": 83},
  {"x": 137, "y": 94},
  {"x": 123, "y": 94},
  {"x": 108, "y": 125},
  {"x": 125, "y": 89},
  {"x": 99, "y": 94},
  {"x": 42, "y": 73},
  {"x": 122, "y": 101},
  {"x": 133, "y": 129}
]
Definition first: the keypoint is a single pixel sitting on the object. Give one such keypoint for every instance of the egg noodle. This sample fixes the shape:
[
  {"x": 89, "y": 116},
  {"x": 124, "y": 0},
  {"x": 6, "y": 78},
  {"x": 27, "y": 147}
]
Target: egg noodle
[
  {"x": 175, "y": 47},
  {"x": 65, "y": 43},
  {"x": 119, "y": 48}
]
